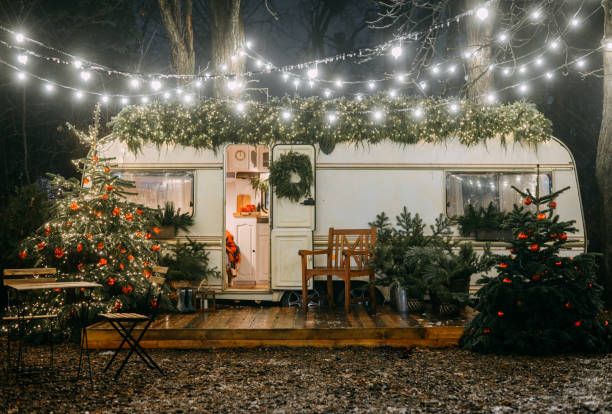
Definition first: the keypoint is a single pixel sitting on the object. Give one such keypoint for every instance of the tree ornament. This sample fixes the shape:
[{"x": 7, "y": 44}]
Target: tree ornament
[
  {"x": 58, "y": 252},
  {"x": 147, "y": 273},
  {"x": 500, "y": 314},
  {"x": 156, "y": 230},
  {"x": 541, "y": 216},
  {"x": 109, "y": 188},
  {"x": 522, "y": 235},
  {"x": 536, "y": 278},
  {"x": 577, "y": 324},
  {"x": 534, "y": 247},
  {"x": 567, "y": 305},
  {"x": 102, "y": 262},
  {"x": 503, "y": 265},
  {"x": 154, "y": 303},
  {"x": 100, "y": 246},
  {"x": 118, "y": 305},
  {"x": 527, "y": 201},
  {"x": 129, "y": 216},
  {"x": 104, "y": 197},
  {"x": 79, "y": 247},
  {"x": 81, "y": 267},
  {"x": 558, "y": 263},
  {"x": 507, "y": 280},
  {"x": 552, "y": 236},
  {"x": 116, "y": 211},
  {"x": 41, "y": 245},
  {"x": 139, "y": 211},
  {"x": 281, "y": 171},
  {"x": 155, "y": 247},
  {"x": 74, "y": 206},
  {"x": 47, "y": 230},
  {"x": 606, "y": 322},
  {"x": 563, "y": 236},
  {"x": 121, "y": 266},
  {"x": 130, "y": 257},
  {"x": 111, "y": 281},
  {"x": 107, "y": 170},
  {"x": 23, "y": 254},
  {"x": 86, "y": 181},
  {"x": 126, "y": 290},
  {"x": 552, "y": 204}
]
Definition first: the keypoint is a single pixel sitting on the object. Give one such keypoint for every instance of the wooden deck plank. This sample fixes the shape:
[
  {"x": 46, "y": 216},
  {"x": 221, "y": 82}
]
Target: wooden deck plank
[{"x": 274, "y": 326}]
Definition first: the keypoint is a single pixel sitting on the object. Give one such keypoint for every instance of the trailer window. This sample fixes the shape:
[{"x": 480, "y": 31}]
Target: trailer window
[
  {"x": 155, "y": 188},
  {"x": 481, "y": 189}
]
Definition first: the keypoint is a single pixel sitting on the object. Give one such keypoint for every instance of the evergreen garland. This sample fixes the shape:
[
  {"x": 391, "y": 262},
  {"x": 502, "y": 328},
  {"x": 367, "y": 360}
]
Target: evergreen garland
[
  {"x": 280, "y": 176},
  {"x": 212, "y": 123}
]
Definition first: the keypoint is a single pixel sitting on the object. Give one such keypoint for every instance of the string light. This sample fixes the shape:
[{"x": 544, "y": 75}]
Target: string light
[
  {"x": 523, "y": 88},
  {"x": 482, "y": 13},
  {"x": 125, "y": 101},
  {"x": 19, "y": 37},
  {"x": 503, "y": 37},
  {"x": 198, "y": 83},
  {"x": 396, "y": 51},
  {"x": 332, "y": 117},
  {"x": 453, "y": 107},
  {"x": 286, "y": 114},
  {"x": 491, "y": 98},
  {"x": 21, "y": 76},
  {"x": 240, "y": 107},
  {"x": 327, "y": 93},
  {"x": 549, "y": 75},
  {"x": 78, "y": 95},
  {"x": 156, "y": 85},
  {"x": 166, "y": 95},
  {"x": 338, "y": 83},
  {"x": 135, "y": 83},
  {"x": 49, "y": 87},
  {"x": 371, "y": 85},
  {"x": 418, "y": 113},
  {"x": 77, "y": 63},
  {"x": 85, "y": 75},
  {"x": 105, "y": 99},
  {"x": 378, "y": 115},
  {"x": 285, "y": 76},
  {"x": 312, "y": 73},
  {"x": 536, "y": 15},
  {"x": 144, "y": 99},
  {"x": 554, "y": 44},
  {"x": 575, "y": 22},
  {"x": 23, "y": 59}
]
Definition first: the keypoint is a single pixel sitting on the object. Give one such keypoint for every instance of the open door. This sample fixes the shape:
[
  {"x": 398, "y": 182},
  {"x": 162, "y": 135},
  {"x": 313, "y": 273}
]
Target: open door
[{"x": 293, "y": 224}]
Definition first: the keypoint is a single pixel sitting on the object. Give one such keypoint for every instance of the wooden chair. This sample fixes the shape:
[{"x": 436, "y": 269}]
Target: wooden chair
[
  {"x": 348, "y": 255},
  {"x": 124, "y": 323},
  {"x": 17, "y": 276}
]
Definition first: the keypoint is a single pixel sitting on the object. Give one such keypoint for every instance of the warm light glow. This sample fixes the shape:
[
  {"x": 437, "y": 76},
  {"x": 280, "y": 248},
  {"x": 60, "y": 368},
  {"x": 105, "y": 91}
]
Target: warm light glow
[
  {"x": 554, "y": 44},
  {"x": 134, "y": 83},
  {"x": 338, "y": 83},
  {"x": 327, "y": 93},
  {"x": 77, "y": 63},
  {"x": 581, "y": 63},
  {"x": 503, "y": 37},
  {"x": 104, "y": 98},
  {"x": 296, "y": 83},
  {"x": 21, "y": 76},
  {"x": 418, "y": 113},
  {"x": 240, "y": 107},
  {"x": 371, "y": 85},
  {"x": 85, "y": 75},
  {"x": 156, "y": 85},
  {"x": 286, "y": 114},
  {"x": 285, "y": 76},
  {"x": 125, "y": 101},
  {"x": 575, "y": 22},
  {"x": 19, "y": 37},
  {"x": 392, "y": 93},
  {"x": 535, "y": 15},
  {"x": 523, "y": 88},
  {"x": 400, "y": 77},
  {"x": 49, "y": 87},
  {"x": 312, "y": 73},
  {"x": 78, "y": 95},
  {"x": 549, "y": 75},
  {"x": 144, "y": 99},
  {"x": 453, "y": 107},
  {"x": 378, "y": 115},
  {"x": 23, "y": 59},
  {"x": 491, "y": 98},
  {"x": 332, "y": 117}
]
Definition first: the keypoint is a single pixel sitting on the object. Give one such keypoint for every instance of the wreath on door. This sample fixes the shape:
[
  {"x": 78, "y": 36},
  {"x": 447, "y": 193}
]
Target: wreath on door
[{"x": 281, "y": 171}]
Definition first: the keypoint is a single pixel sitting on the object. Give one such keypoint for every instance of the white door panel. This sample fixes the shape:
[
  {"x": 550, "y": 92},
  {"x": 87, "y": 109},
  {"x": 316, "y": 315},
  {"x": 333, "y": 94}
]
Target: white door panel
[
  {"x": 286, "y": 263},
  {"x": 286, "y": 213}
]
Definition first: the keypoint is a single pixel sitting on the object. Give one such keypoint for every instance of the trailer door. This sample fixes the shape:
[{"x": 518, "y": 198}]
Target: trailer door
[{"x": 293, "y": 224}]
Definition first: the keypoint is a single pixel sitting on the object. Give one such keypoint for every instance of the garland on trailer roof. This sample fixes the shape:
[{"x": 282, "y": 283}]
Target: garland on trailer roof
[
  {"x": 212, "y": 123},
  {"x": 281, "y": 171}
]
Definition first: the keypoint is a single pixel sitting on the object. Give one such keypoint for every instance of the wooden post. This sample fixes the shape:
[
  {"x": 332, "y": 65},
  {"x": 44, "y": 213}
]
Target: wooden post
[{"x": 478, "y": 34}]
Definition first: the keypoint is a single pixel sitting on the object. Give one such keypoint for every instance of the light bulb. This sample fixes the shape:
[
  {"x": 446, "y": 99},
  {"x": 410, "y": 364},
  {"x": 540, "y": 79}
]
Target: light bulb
[
  {"x": 371, "y": 85},
  {"x": 453, "y": 108},
  {"x": 312, "y": 73},
  {"x": 166, "y": 95},
  {"x": 423, "y": 85},
  {"x": 311, "y": 83},
  {"x": 156, "y": 85},
  {"x": 396, "y": 51},
  {"x": 286, "y": 114},
  {"x": 198, "y": 83},
  {"x": 392, "y": 93},
  {"x": 104, "y": 98},
  {"x": 535, "y": 15},
  {"x": 338, "y": 83},
  {"x": 78, "y": 95},
  {"x": 85, "y": 75},
  {"x": 327, "y": 93},
  {"x": 332, "y": 117},
  {"x": 268, "y": 67},
  {"x": 19, "y": 37},
  {"x": 523, "y": 88},
  {"x": 21, "y": 76},
  {"x": 452, "y": 69},
  {"x": 77, "y": 63},
  {"x": 223, "y": 67},
  {"x": 49, "y": 87},
  {"x": 249, "y": 44},
  {"x": 285, "y": 76},
  {"x": 179, "y": 91},
  {"x": 491, "y": 98},
  {"x": 378, "y": 115},
  {"x": 134, "y": 83},
  {"x": 503, "y": 37},
  {"x": 125, "y": 101},
  {"x": 539, "y": 61},
  {"x": 258, "y": 63},
  {"x": 608, "y": 45},
  {"x": 554, "y": 44},
  {"x": 240, "y": 107},
  {"x": 523, "y": 69},
  {"x": 482, "y": 13},
  {"x": 23, "y": 59},
  {"x": 549, "y": 75},
  {"x": 296, "y": 82},
  {"x": 188, "y": 98},
  {"x": 506, "y": 71},
  {"x": 144, "y": 99},
  {"x": 359, "y": 97},
  {"x": 435, "y": 70},
  {"x": 581, "y": 63},
  {"x": 417, "y": 113},
  {"x": 575, "y": 22},
  {"x": 400, "y": 77}
]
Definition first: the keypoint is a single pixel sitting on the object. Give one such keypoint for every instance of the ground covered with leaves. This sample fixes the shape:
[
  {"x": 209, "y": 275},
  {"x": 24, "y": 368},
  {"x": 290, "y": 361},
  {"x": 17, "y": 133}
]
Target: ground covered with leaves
[{"x": 309, "y": 380}]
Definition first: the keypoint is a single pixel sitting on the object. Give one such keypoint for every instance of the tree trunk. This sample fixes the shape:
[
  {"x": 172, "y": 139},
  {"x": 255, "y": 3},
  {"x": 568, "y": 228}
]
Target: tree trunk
[
  {"x": 478, "y": 34},
  {"x": 603, "y": 166},
  {"x": 177, "y": 19},
  {"x": 227, "y": 39}
]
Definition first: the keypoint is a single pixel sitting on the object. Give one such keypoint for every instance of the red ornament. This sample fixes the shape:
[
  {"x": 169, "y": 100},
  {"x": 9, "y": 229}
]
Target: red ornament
[
  {"x": 79, "y": 248},
  {"x": 503, "y": 265},
  {"x": 123, "y": 250},
  {"x": 486, "y": 331},
  {"x": 563, "y": 236},
  {"x": 23, "y": 254},
  {"x": 534, "y": 247},
  {"x": 559, "y": 263},
  {"x": 147, "y": 273},
  {"x": 567, "y": 305},
  {"x": 74, "y": 206},
  {"x": 527, "y": 201},
  {"x": 522, "y": 236},
  {"x": 156, "y": 230},
  {"x": 577, "y": 324},
  {"x": 121, "y": 266},
  {"x": 109, "y": 188},
  {"x": 57, "y": 290},
  {"x": 118, "y": 305},
  {"x": 156, "y": 247},
  {"x": 590, "y": 285},
  {"x": 104, "y": 196},
  {"x": 154, "y": 304},
  {"x": 139, "y": 211},
  {"x": 130, "y": 257},
  {"x": 81, "y": 267},
  {"x": 99, "y": 214},
  {"x": 111, "y": 281},
  {"x": 106, "y": 170},
  {"x": 41, "y": 245},
  {"x": 541, "y": 216},
  {"x": 126, "y": 290},
  {"x": 116, "y": 211},
  {"x": 58, "y": 252},
  {"x": 129, "y": 216},
  {"x": 507, "y": 280},
  {"x": 148, "y": 236},
  {"x": 86, "y": 181},
  {"x": 500, "y": 314},
  {"x": 552, "y": 204},
  {"x": 100, "y": 245},
  {"x": 102, "y": 262},
  {"x": 47, "y": 230},
  {"x": 536, "y": 277},
  {"x": 606, "y": 322}
]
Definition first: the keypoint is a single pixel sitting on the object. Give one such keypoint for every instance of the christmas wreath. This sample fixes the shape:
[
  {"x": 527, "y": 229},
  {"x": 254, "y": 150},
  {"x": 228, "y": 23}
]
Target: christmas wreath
[{"x": 281, "y": 171}]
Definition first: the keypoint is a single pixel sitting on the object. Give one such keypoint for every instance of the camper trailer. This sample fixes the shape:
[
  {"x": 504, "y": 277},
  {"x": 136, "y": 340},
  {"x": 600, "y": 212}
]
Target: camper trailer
[{"x": 353, "y": 184}]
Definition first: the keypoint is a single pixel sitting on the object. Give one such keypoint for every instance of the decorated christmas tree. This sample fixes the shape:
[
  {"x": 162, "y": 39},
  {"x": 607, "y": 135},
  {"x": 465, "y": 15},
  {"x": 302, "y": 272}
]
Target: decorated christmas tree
[
  {"x": 95, "y": 234},
  {"x": 539, "y": 302}
]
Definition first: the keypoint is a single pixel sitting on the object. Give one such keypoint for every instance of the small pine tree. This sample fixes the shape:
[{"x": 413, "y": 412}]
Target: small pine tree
[
  {"x": 540, "y": 302},
  {"x": 95, "y": 234}
]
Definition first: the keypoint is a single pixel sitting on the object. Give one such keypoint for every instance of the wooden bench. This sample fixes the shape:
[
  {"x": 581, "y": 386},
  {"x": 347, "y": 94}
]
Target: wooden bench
[{"x": 348, "y": 255}]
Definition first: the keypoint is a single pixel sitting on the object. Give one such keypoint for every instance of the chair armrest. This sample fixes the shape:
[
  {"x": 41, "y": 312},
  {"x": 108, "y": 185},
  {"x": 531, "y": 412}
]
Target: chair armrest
[{"x": 312, "y": 252}]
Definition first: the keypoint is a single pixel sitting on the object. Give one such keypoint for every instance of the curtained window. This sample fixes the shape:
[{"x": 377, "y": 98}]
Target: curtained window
[{"x": 155, "y": 188}]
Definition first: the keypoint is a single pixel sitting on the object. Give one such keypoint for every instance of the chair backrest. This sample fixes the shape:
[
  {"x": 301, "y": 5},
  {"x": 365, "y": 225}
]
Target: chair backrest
[{"x": 359, "y": 241}]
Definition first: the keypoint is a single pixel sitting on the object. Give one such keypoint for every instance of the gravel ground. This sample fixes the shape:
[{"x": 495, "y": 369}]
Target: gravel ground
[{"x": 311, "y": 380}]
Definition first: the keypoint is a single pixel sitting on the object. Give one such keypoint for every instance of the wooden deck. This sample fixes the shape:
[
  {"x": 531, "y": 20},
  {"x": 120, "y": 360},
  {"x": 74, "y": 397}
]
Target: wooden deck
[{"x": 276, "y": 326}]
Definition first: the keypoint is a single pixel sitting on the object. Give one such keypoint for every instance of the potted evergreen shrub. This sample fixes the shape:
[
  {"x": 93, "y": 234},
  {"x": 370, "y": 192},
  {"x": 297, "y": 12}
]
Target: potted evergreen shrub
[
  {"x": 170, "y": 220},
  {"x": 483, "y": 224}
]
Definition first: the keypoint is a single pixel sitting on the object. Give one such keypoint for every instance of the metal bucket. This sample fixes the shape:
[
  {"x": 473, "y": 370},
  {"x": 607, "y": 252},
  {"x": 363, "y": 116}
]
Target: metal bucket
[{"x": 401, "y": 300}]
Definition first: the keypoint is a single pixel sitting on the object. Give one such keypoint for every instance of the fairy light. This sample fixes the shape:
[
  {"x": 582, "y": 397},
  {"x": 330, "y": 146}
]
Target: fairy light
[
  {"x": 144, "y": 99},
  {"x": 338, "y": 83},
  {"x": 156, "y": 84},
  {"x": 240, "y": 107},
  {"x": 535, "y": 15},
  {"x": 188, "y": 98},
  {"x": 311, "y": 83},
  {"x": 104, "y": 99},
  {"x": 452, "y": 69},
  {"x": 77, "y": 63},
  {"x": 285, "y": 76},
  {"x": 522, "y": 69},
  {"x": 178, "y": 91},
  {"x": 312, "y": 73},
  {"x": 166, "y": 95},
  {"x": 19, "y": 37},
  {"x": 332, "y": 117},
  {"x": 371, "y": 85},
  {"x": 506, "y": 71},
  {"x": 482, "y": 13},
  {"x": 435, "y": 70},
  {"x": 503, "y": 37},
  {"x": 286, "y": 114},
  {"x": 327, "y": 93},
  {"x": 549, "y": 75},
  {"x": 21, "y": 77},
  {"x": 78, "y": 95},
  {"x": 400, "y": 77},
  {"x": 392, "y": 93},
  {"x": 249, "y": 44},
  {"x": 359, "y": 97},
  {"x": 423, "y": 85},
  {"x": 124, "y": 101},
  {"x": 418, "y": 113},
  {"x": 453, "y": 107},
  {"x": 378, "y": 115},
  {"x": 491, "y": 98},
  {"x": 539, "y": 61},
  {"x": 134, "y": 83},
  {"x": 85, "y": 75},
  {"x": 22, "y": 58},
  {"x": 396, "y": 51},
  {"x": 554, "y": 44},
  {"x": 523, "y": 88},
  {"x": 574, "y": 22},
  {"x": 258, "y": 63},
  {"x": 581, "y": 63},
  {"x": 49, "y": 87}
]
